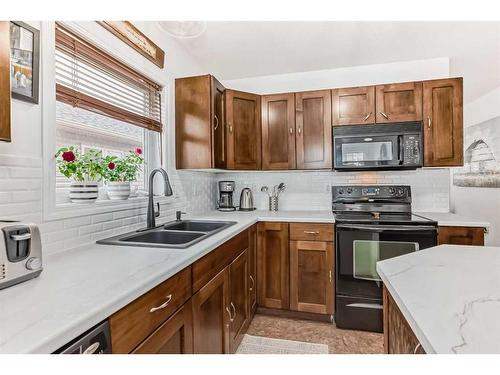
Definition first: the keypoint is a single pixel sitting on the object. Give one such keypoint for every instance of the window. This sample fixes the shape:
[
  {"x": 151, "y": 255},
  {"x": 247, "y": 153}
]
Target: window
[{"x": 101, "y": 103}]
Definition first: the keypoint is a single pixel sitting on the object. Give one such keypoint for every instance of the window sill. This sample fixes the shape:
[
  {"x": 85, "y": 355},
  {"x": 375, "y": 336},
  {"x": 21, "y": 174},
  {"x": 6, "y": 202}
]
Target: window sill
[{"x": 72, "y": 210}]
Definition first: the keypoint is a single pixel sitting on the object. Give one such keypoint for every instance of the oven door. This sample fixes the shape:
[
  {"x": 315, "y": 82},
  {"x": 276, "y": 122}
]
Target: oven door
[
  {"x": 360, "y": 246},
  {"x": 368, "y": 152}
]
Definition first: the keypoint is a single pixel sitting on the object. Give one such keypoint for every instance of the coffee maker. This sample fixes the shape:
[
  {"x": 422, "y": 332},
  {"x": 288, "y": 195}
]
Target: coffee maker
[{"x": 225, "y": 201}]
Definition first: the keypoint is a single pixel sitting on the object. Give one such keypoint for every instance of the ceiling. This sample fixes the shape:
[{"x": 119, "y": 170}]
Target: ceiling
[{"x": 233, "y": 50}]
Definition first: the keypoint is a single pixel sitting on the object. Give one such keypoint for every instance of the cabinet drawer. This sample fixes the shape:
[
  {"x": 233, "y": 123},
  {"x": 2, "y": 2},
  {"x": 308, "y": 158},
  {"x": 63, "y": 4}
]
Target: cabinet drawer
[
  {"x": 140, "y": 318},
  {"x": 311, "y": 232}
]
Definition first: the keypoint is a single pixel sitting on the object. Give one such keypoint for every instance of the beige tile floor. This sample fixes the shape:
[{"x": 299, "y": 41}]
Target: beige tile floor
[{"x": 339, "y": 341}]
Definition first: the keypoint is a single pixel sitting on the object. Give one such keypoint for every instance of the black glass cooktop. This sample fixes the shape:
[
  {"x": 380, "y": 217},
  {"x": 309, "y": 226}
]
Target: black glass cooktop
[{"x": 382, "y": 218}]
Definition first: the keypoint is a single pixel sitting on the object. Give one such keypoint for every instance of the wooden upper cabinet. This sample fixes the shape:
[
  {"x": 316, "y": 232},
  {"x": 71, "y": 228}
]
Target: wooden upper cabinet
[
  {"x": 273, "y": 265},
  {"x": 461, "y": 236},
  {"x": 243, "y": 130},
  {"x": 278, "y": 131},
  {"x": 175, "y": 336},
  {"x": 314, "y": 129},
  {"x": 399, "y": 102},
  {"x": 199, "y": 122},
  {"x": 443, "y": 123},
  {"x": 238, "y": 301},
  {"x": 5, "y": 81},
  {"x": 211, "y": 316},
  {"x": 311, "y": 276},
  {"x": 353, "y": 106}
]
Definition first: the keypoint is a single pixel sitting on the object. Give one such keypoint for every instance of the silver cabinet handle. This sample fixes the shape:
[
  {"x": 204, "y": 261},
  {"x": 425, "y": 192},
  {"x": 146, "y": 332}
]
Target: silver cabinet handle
[
  {"x": 416, "y": 348},
  {"x": 234, "y": 309},
  {"x": 429, "y": 122},
  {"x": 231, "y": 319},
  {"x": 299, "y": 130},
  {"x": 230, "y": 128},
  {"x": 253, "y": 282},
  {"x": 92, "y": 348},
  {"x": 291, "y": 130},
  {"x": 163, "y": 305},
  {"x": 311, "y": 232},
  {"x": 383, "y": 114},
  {"x": 20, "y": 237},
  {"x": 216, "y": 122},
  {"x": 367, "y": 116}
]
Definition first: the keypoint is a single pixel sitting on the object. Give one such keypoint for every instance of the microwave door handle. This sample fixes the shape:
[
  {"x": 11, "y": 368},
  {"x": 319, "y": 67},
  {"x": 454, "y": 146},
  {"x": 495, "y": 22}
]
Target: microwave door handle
[{"x": 400, "y": 150}]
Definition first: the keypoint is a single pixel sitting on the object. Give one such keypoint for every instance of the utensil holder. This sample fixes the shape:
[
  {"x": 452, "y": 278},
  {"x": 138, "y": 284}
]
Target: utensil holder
[{"x": 273, "y": 203}]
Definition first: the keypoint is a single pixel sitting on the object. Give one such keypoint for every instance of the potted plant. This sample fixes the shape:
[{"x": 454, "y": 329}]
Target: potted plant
[
  {"x": 120, "y": 172},
  {"x": 85, "y": 169}
]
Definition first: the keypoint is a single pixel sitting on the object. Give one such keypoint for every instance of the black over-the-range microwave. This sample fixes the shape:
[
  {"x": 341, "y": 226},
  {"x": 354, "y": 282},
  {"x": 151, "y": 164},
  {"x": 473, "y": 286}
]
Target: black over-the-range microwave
[{"x": 377, "y": 147}]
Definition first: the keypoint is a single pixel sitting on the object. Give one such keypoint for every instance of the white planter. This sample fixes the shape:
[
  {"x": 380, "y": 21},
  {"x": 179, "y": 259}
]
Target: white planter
[
  {"x": 118, "y": 190},
  {"x": 83, "y": 191}
]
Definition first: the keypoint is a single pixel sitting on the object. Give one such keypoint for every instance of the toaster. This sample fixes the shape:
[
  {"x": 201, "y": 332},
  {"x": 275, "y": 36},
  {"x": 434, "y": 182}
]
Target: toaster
[{"x": 20, "y": 252}]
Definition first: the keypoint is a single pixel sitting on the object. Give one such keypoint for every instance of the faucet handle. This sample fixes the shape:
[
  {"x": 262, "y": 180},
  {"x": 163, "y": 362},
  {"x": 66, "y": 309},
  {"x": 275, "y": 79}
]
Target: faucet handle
[
  {"x": 178, "y": 215},
  {"x": 157, "y": 213}
]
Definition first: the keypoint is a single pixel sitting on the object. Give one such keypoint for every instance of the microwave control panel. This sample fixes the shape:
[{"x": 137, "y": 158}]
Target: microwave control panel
[{"x": 412, "y": 149}]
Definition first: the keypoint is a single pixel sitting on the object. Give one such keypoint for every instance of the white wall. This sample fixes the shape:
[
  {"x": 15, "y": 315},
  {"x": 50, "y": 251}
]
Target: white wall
[
  {"x": 482, "y": 203},
  {"x": 344, "y": 77},
  {"x": 21, "y": 166}
]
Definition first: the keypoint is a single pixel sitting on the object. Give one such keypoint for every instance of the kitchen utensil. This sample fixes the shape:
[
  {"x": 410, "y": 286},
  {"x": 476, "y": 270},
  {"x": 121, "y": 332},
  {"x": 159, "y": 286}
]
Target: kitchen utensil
[{"x": 265, "y": 189}]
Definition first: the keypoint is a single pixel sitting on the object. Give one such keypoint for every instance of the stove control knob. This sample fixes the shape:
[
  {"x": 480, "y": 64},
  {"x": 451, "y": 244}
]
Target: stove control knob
[
  {"x": 401, "y": 191},
  {"x": 392, "y": 190},
  {"x": 349, "y": 190},
  {"x": 34, "y": 264},
  {"x": 340, "y": 191}
]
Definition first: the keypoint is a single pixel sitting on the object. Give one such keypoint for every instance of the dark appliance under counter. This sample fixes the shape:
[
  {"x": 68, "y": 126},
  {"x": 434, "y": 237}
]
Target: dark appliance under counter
[{"x": 373, "y": 223}]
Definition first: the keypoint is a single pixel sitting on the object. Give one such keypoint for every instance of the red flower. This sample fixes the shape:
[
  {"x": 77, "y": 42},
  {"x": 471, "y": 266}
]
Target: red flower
[
  {"x": 68, "y": 156},
  {"x": 111, "y": 166},
  {"x": 138, "y": 151}
]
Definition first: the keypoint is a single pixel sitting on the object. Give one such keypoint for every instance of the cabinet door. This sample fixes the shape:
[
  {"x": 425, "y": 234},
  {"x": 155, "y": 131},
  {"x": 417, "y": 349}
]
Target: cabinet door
[
  {"x": 399, "y": 102},
  {"x": 219, "y": 126},
  {"x": 238, "y": 286},
  {"x": 211, "y": 316},
  {"x": 5, "y": 81},
  {"x": 314, "y": 129},
  {"x": 353, "y": 106},
  {"x": 398, "y": 335},
  {"x": 443, "y": 123},
  {"x": 252, "y": 268},
  {"x": 243, "y": 130},
  {"x": 278, "y": 131},
  {"x": 175, "y": 336},
  {"x": 311, "y": 276},
  {"x": 461, "y": 236},
  {"x": 193, "y": 122},
  {"x": 273, "y": 265}
]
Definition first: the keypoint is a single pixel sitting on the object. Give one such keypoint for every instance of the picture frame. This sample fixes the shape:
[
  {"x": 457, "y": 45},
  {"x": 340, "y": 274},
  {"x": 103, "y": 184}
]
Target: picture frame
[{"x": 24, "y": 62}]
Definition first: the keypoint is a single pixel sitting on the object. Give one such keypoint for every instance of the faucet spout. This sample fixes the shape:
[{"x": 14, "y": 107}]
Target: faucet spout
[{"x": 151, "y": 216}]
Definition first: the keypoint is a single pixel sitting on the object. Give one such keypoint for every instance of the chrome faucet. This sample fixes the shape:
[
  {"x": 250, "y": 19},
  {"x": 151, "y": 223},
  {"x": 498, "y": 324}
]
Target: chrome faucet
[{"x": 152, "y": 214}]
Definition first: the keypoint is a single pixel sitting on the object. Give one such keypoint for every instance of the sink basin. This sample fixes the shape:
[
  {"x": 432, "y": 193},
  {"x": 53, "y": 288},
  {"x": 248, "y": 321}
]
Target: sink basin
[
  {"x": 195, "y": 225},
  {"x": 176, "y": 234},
  {"x": 164, "y": 237}
]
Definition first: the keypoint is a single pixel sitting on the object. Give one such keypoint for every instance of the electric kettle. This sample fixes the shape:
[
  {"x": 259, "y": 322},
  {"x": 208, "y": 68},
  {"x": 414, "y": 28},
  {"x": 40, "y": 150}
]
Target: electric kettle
[{"x": 246, "y": 200}]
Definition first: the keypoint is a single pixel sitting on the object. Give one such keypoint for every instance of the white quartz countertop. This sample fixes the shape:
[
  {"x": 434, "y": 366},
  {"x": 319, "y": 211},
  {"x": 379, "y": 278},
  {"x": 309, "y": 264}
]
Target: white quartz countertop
[
  {"x": 79, "y": 288},
  {"x": 453, "y": 220},
  {"x": 450, "y": 296}
]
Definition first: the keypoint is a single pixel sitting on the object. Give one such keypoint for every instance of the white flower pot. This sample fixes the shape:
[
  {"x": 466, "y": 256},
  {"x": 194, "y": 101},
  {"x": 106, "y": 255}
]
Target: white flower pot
[
  {"x": 118, "y": 190},
  {"x": 83, "y": 191}
]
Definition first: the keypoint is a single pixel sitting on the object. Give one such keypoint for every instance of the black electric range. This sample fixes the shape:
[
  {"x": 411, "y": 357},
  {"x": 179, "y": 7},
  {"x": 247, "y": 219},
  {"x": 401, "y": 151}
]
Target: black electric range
[{"x": 372, "y": 223}]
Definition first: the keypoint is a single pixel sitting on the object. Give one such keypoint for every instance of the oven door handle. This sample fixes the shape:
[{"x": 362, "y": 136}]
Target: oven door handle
[
  {"x": 376, "y": 306},
  {"x": 381, "y": 228}
]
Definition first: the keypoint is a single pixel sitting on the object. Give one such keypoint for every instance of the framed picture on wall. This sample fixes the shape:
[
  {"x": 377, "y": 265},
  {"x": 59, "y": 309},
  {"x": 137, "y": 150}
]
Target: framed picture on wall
[{"x": 24, "y": 61}]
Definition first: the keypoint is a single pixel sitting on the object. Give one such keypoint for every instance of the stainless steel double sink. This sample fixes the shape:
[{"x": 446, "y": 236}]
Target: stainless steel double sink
[{"x": 176, "y": 234}]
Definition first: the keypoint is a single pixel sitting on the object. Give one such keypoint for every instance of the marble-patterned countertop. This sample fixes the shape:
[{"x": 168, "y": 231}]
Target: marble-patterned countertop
[
  {"x": 81, "y": 287},
  {"x": 450, "y": 296},
  {"x": 453, "y": 220}
]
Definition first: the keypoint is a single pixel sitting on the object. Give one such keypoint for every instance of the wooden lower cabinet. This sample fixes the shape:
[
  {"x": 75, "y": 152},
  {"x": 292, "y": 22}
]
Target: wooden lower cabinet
[
  {"x": 273, "y": 267},
  {"x": 461, "y": 236},
  {"x": 252, "y": 269},
  {"x": 398, "y": 336},
  {"x": 211, "y": 313},
  {"x": 238, "y": 301},
  {"x": 175, "y": 336},
  {"x": 311, "y": 277}
]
